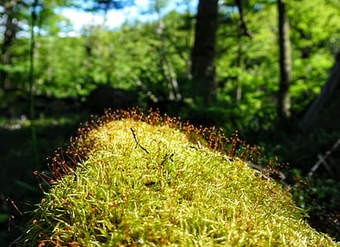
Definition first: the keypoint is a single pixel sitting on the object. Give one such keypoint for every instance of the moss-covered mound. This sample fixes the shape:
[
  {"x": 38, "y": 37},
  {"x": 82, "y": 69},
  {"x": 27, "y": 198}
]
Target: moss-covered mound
[{"x": 148, "y": 185}]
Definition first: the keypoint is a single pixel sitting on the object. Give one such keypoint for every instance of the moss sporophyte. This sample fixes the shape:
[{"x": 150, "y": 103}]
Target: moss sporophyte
[{"x": 133, "y": 179}]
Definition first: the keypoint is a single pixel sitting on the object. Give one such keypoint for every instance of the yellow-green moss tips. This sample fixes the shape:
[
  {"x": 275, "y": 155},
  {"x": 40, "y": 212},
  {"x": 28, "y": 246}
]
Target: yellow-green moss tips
[{"x": 148, "y": 185}]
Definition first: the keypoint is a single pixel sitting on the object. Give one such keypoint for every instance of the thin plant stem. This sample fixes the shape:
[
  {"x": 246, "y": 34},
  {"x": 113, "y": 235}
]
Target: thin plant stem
[{"x": 31, "y": 85}]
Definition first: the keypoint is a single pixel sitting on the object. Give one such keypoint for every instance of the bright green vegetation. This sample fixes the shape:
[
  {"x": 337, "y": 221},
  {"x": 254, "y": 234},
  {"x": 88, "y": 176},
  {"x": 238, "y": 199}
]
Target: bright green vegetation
[
  {"x": 148, "y": 185},
  {"x": 247, "y": 68}
]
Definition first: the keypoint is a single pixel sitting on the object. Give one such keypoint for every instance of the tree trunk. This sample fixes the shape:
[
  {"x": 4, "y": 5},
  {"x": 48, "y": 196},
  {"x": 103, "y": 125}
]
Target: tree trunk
[
  {"x": 332, "y": 84},
  {"x": 203, "y": 52},
  {"x": 243, "y": 25},
  {"x": 285, "y": 62}
]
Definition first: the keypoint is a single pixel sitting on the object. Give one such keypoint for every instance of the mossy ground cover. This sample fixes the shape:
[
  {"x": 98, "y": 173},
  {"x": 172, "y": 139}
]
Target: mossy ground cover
[{"x": 142, "y": 184}]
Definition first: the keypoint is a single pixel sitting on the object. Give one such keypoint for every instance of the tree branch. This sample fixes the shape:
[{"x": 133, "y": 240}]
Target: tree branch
[{"x": 243, "y": 25}]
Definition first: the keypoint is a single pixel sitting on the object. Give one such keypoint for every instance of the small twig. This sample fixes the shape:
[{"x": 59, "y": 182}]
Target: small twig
[
  {"x": 47, "y": 179},
  {"x": 270, "y": 172},
  {"x": 166, "y": 157},
  {"x": 14, "y": 206},
  {"x": 137, "y": 143},
  {"x": 325, "y": 164},
  {"x": 16, "y": 241},
  {"x": 322, "y": 159}
]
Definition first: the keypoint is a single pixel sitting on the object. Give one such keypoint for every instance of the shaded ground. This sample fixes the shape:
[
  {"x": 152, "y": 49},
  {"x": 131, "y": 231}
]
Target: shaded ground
[{"x": 18, "y": 185}]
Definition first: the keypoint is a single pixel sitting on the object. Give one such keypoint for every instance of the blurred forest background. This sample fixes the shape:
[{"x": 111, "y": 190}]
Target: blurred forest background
[{"x": 267, "y": 68}]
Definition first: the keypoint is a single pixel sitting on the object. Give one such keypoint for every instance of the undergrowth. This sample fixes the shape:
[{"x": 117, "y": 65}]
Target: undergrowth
[{"x": 132, "y": 179}]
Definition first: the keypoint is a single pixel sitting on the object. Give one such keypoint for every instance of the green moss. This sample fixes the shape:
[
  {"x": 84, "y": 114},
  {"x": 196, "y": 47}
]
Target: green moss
[{"x": 148, "y": 185}]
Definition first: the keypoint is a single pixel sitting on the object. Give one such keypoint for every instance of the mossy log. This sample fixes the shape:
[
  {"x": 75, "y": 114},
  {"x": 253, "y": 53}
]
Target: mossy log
[{"x": 147, "y": 182}]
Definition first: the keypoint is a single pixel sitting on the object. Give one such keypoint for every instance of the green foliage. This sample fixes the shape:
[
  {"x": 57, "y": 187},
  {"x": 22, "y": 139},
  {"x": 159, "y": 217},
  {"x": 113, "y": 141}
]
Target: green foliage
[
  {"x": 314, "y": 41},
  {"x": 149, "y": 185},
  {"x": 317, "y": 194},
  {"x": 138, "y": 54},
  {"x": 59, "y": 58},
  {"x": 249, "y": 75}
]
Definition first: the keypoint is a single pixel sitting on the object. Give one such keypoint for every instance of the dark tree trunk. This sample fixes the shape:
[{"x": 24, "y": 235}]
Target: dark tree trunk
[
  {"x": 328, "y": 90},
  {"x": 10, "y": 31},
  {"x": 243, "y": 25},
  {"x": 203, "y": 52},
  {"x": 285, "y": 62}
]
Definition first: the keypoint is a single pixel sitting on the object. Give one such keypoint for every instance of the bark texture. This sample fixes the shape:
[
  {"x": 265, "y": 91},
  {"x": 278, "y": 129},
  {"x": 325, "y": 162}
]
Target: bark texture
[
  {"x": 285, "y": 62},
  {"x": 329, "y": 90},
  {"x": 203, "y": 52}
]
